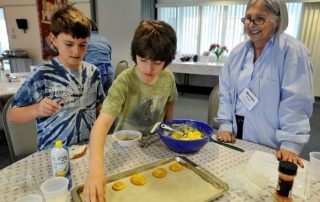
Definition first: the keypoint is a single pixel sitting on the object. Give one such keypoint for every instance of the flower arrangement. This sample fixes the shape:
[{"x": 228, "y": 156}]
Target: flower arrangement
[{"x": 217, "y": 50}]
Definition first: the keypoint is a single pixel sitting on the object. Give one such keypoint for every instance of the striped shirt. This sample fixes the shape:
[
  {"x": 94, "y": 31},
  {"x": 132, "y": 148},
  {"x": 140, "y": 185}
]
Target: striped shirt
[{"x": 77, "y": 91}]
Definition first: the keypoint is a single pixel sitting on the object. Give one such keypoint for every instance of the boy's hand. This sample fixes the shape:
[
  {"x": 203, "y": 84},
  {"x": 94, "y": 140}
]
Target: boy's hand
[
  {"x": 95, "y": 187},
  {"x": 47, "y": 107}
]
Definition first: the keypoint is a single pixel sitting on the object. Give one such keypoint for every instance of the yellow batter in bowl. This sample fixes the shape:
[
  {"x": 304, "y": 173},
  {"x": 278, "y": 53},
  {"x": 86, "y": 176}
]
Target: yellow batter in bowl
[{"x": 191, "y": 133}]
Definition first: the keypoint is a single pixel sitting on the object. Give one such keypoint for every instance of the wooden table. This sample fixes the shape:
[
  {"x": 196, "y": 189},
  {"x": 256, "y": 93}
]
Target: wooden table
[{"x": 217, "y": 159}]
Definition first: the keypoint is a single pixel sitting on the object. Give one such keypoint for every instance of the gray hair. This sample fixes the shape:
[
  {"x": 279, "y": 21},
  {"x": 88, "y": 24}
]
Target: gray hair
[{"x": 277, "y": 8}]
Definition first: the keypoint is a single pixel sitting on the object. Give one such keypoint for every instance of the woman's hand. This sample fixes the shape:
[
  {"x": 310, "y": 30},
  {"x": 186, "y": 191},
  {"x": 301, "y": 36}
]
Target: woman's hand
[
  {"x": 285, "y": 155},
  {"x": 47, "y": 107},
  {"x": 95, "y": 187},
  {"x": 226, "y": 136}
]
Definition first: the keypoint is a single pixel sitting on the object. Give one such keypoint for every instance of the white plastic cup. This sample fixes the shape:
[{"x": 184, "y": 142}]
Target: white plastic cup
[
  {"x": 30, "y": 198},
  {"x": 315, "y": 165},
  {"x": 55, "y": 189}
]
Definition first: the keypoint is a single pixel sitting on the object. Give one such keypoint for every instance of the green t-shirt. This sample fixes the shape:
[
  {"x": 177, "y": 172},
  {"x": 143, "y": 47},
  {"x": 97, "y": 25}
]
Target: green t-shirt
[{"x": 137, "y": 105}]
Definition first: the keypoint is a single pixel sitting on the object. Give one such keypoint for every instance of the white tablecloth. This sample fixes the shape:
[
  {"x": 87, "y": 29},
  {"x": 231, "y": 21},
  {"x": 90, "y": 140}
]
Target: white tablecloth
[
  {"x": 217, "y": 159},
  {"x": 200, "y": 68}
]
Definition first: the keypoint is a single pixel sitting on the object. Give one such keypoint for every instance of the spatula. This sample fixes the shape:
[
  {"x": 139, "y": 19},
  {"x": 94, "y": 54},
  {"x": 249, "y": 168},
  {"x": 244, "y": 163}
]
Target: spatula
[{"x": 168, "y": 128}]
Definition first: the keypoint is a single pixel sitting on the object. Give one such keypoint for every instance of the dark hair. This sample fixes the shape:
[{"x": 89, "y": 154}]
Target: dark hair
[
  {"x": 70, "y": 20},
  {"x": 154, "y": 40}
]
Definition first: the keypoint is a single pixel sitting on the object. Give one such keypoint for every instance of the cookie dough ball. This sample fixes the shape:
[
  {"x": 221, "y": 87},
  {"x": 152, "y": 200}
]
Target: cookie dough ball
[
  {"x": 138, "y": 179},
  {"x": 159, "y": 172},
  {"x": 176, "y": 167},
  {"x": 117, "y": 186}
]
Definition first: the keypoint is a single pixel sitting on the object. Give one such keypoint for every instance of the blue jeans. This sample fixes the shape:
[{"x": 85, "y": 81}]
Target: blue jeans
[{"x": 106, "y": 73}]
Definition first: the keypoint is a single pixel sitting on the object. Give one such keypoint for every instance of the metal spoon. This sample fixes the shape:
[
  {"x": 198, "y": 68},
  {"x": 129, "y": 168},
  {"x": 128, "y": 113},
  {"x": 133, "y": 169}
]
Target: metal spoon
[{"x": 168, "y": 128}]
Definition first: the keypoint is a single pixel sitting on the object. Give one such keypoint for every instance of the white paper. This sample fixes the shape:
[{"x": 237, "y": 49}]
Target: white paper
[{"x": 267, "y": 165}]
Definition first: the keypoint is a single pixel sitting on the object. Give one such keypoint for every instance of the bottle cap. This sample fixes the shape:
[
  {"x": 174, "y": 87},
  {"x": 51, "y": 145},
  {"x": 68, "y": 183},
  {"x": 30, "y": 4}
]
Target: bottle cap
[
  {"x": 58, "y": 143},
  {"x": 288, "y": 168},
  {"x": 61, "y": 173}
]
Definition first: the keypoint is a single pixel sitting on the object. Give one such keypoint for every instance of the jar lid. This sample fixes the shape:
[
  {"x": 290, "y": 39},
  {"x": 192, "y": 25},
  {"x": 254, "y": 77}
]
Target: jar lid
[{"x": 288, "y": 168}]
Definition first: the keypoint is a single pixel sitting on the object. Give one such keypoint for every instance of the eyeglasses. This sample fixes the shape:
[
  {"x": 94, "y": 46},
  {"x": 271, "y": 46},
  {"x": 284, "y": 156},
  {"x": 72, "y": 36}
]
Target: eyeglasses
[{"x": 256, "y": 21}]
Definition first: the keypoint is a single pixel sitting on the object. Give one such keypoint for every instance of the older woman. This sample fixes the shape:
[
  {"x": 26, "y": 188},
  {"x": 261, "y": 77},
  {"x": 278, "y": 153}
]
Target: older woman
[{"x": 266, "y": 87}]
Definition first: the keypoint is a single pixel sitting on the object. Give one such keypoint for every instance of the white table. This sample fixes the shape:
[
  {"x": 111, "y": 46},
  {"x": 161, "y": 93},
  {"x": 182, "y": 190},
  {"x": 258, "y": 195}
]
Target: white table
[
  {"x": 7, "y": 88},
  {"x": 200, "y": 68},
  {"x": 197, "y": 68},
  {"x": 217, "y": 159}
]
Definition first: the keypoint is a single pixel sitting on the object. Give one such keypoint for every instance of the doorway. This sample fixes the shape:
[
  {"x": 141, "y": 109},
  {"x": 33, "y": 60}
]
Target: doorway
[{"x": 4, "y": 42}]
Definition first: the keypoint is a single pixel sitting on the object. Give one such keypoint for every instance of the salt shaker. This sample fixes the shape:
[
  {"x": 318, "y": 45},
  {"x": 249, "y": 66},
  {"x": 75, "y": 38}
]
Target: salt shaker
[{"x": 287, "y": 172}]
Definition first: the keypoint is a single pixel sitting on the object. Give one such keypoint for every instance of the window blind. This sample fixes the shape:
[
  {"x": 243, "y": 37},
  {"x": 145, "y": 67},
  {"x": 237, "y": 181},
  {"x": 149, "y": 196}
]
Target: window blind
[
  {"x": 197, "y": 27},
  {"x": 310, "y": 29}
]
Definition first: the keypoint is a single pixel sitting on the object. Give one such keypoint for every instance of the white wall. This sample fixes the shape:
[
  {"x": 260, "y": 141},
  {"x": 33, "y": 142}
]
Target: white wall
[
  {"x": 29, "y": 41},
  {"x": 82, "y": 5},
  {"x": 117, "y": 20},
  {"x": 17, "y": 37},
  {"x": 16, "y": 2}
]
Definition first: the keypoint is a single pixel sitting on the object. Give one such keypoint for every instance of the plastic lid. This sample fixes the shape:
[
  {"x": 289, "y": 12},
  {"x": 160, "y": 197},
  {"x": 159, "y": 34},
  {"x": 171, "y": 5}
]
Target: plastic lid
[
  {"x": 288, "y": 168},
  {"x": 58, "y": 143}
]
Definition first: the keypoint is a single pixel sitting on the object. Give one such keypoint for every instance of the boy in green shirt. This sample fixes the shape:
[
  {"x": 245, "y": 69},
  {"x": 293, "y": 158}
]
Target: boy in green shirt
[{"x": 140, "y": 97}]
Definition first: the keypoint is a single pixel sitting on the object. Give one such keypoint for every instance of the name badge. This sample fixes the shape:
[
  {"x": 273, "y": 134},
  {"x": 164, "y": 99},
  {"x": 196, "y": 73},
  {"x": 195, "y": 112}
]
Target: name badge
[{"x": 248, "y": 99}]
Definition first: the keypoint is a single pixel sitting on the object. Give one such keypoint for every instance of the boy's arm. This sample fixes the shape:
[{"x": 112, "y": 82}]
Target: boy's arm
[
  {"x": 45, "y": 107},
  {"x": 96, "y": 182},
  {"x": 169, "y": 111}
]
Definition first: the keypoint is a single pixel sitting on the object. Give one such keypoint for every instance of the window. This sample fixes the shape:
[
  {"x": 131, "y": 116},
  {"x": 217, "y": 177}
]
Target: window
[
  {"x": 199, "y": 26},
  {"x": 4, "y": 42}
]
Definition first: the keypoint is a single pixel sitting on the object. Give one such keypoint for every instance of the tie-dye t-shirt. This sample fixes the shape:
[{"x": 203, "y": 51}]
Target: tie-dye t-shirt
[
  {"x": 139, "y": 106},
  {"x": 78, "y": 92}
]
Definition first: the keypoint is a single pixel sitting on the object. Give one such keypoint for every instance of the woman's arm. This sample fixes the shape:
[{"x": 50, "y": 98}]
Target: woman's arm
[
  {"x": 225, "y": 112},
  {"x": 296, "y": 102}
]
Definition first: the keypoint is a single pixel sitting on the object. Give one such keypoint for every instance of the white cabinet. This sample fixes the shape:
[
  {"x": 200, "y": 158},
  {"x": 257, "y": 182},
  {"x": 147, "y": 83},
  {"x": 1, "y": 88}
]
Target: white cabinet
[{"x": 17, "y": 64}]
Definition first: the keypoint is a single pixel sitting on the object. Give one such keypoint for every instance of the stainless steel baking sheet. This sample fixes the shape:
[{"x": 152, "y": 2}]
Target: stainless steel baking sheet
[{"x": 219, "y": 186}]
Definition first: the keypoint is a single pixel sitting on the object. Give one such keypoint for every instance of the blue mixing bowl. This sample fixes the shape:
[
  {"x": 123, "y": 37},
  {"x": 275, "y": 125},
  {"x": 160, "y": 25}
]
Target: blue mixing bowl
[{"x": 186, "y": 146}]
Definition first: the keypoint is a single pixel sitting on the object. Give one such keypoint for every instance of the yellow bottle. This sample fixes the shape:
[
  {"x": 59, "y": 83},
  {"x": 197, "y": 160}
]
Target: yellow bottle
[{"x": 60, "y": 161}]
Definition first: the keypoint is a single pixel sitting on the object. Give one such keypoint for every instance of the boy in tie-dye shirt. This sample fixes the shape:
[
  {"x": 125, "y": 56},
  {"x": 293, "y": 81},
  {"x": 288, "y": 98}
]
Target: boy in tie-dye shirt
[{"x": 63, "y": 94}]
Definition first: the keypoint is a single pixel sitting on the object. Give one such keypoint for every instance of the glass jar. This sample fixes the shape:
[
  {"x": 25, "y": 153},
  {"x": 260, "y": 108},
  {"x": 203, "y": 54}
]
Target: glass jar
[{"x": 287, "y": 172}]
